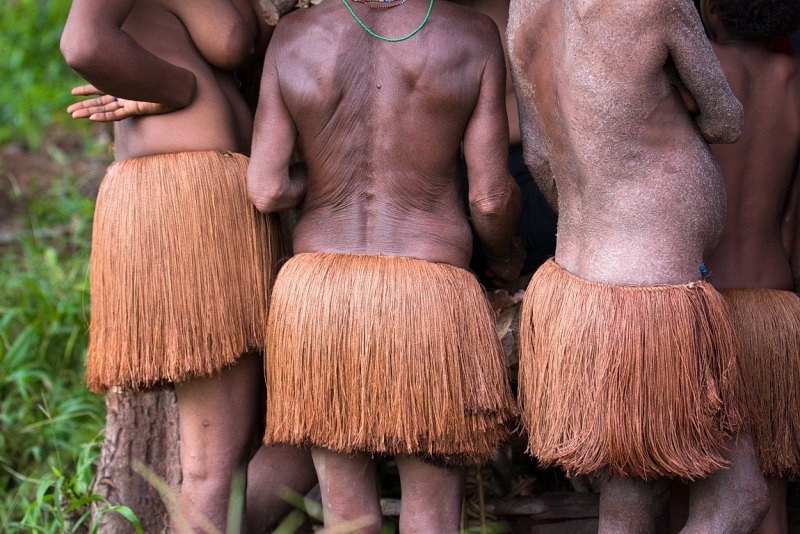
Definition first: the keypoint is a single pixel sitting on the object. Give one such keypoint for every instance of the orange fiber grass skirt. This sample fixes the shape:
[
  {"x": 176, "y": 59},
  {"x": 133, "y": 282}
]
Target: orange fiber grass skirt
[
  {"x": 181, "y": 269},
  {"x": 628, "y": 381},
  {"x": 386, "y": 355},
  {"x": 767, "y": 324}
]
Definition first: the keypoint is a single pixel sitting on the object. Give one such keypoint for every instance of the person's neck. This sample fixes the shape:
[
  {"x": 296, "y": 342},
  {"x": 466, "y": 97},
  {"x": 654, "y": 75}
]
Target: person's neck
[{"x": 723, "y": 37}]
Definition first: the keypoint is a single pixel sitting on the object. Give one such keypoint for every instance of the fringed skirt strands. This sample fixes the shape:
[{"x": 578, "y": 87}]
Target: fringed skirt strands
[
  {"x": 387, "y": 355},
  {"x": 767, "y": 325},
  {"x": 628, "y": 381},
  {"x": 181, "y": 269}
]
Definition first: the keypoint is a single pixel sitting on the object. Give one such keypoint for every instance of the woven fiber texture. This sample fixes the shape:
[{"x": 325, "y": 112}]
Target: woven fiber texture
[
  {"x": 767, "y": 325},
  {"x": 628, "y": 381},
  {"x": 386, "y": 355},
  {"x": 181, "y": 269}
]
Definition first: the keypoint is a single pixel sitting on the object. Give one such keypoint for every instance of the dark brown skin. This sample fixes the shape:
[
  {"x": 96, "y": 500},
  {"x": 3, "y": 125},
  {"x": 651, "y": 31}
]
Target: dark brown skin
[
  {"x": 617, "y": 103},
  {"x": 758, "y": 248},
  {"x": 188, "y": 51},
  {"x": 382, "y": 126},
  {"x": 498, "y": 11},
  {"x": 163, "y": 52},
  {"x": 758, "y": 245}
]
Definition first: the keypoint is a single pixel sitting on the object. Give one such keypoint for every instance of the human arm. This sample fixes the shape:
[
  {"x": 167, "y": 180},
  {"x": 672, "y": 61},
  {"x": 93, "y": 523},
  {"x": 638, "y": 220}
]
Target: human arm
[
  {"x": 494, "y": 197},
  {"x": 720, "y": 116},
  {"x": 273, "y": 184},
  {"x": 790, "y": 230},
  {"x": 95, "y": 46},
  {"x": 534, "y": 152}
]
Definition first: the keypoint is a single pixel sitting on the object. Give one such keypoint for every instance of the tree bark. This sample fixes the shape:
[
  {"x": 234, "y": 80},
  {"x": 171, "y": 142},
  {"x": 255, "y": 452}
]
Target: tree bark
[
  {"x": 140, "y": 426},
  {"x": 143, "y": 426}
]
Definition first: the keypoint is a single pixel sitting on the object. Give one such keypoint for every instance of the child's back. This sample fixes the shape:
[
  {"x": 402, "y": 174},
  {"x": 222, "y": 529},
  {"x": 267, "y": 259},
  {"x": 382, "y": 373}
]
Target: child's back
[{"x": 761, "y": 170}]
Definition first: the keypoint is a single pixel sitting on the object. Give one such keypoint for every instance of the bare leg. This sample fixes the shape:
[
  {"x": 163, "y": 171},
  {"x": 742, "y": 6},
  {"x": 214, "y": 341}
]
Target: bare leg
[
  {"x": 272, "y": 469},
  {"x": 219, "y": 415},
  {"x": 631, "y": 505},
  {"x": 349, "y": 486},
  {"x": 776, "y": 521},
  {"x": 730, "y": 501},
  {"x": 431, "y": 496}
]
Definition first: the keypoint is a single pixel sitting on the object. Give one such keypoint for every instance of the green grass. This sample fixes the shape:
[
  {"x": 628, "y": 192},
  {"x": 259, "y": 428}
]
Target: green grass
[
  {"x": 49, "y": 422},
  {"x": 34, "y": 94}
]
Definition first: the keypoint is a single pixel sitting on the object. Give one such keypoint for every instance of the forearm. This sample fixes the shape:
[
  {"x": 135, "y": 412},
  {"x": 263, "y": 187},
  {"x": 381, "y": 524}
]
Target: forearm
[
  {"x": 121, "y": 73},
  {"x": 495, "y": 218},
  {"x": 270, "y": 195},
  {"x": 720, "y": 116}
]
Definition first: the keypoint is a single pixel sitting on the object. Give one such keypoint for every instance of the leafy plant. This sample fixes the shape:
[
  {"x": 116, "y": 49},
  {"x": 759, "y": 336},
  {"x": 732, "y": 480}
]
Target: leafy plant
[
  {"x": 47, "y": 416},
  {"x": 35, "y": 93}
]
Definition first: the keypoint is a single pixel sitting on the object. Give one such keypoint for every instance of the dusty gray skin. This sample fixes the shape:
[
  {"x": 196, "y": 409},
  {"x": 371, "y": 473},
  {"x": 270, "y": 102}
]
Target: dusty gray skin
[
  {"x": 640, "y": 197},
  {"x": 618, "y": 101}
]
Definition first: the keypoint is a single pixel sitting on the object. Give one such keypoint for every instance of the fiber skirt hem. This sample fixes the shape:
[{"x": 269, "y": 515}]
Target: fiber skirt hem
[
  {"x": 628, "y": 381},
  {"x": 767, "y": 325},
  {"x": 181, "y": 269},
  {"x": 385, "y": 355}
]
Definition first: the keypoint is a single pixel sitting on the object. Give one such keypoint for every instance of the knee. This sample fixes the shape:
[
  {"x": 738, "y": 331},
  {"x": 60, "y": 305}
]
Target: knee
[{"x": 211, "y": 473}]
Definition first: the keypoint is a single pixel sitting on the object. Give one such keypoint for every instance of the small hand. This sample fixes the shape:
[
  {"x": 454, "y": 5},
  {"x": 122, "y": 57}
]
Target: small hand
[
  {"x": 504, "y": 272},
  {"x": 107, "y": 108}
]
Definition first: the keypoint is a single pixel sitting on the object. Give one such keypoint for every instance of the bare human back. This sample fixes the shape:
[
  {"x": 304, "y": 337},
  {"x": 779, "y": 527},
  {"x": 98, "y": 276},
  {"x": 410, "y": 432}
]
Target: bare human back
[
  {"x": 640, "y": 198},
  {"x": 381, "y": 236},
  {"x": 381, "y": 125},
  {"x": 759, "y": 244},
  {"x": 618, "y": 102},
  {"x": 756, "y": 264}
]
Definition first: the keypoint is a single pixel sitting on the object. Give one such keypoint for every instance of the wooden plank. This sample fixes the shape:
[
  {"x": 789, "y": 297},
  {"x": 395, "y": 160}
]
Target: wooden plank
[
  {"x": 557, "y": 505},
  {"x": 527, "y": 525}
]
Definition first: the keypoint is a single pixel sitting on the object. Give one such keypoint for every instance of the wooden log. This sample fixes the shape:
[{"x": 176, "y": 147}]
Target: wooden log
[
  {"x": 273, "y": 10},
  {"x": 139, "y": 426}
]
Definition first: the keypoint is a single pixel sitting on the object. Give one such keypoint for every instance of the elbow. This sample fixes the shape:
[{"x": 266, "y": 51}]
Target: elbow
[
  {"x": 499, "y": 204},
  {"x": 80, "y": 51},
  {"x": 268, "y": 199},
  {"x": 725, "y": 127}
]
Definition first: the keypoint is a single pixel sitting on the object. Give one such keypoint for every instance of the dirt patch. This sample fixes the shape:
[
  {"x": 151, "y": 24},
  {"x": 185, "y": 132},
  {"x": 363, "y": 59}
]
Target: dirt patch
[{"x": 24, "y": 174}]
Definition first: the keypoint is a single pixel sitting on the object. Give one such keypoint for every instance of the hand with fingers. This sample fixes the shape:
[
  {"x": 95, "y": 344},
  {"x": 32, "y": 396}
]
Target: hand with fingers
[{"x": 107, "y": 108}]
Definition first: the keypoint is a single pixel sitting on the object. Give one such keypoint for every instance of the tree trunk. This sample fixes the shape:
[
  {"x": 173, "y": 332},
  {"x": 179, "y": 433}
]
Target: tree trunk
[
  {"x": 143, "y": 426},
  {"x": 140, "y": 426}
]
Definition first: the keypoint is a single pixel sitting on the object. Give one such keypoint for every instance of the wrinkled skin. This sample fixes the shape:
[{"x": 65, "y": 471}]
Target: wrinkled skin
[
  {"x": 171, "y": 66},
  {"x": 382, "y": 127},
  {"x": 759, "y": 244},
  {"x": 618, "y": 101}
]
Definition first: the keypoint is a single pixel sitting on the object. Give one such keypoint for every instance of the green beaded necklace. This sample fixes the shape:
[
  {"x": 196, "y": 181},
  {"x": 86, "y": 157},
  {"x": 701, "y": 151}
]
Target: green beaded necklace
[{"x": 381, "y": 37}]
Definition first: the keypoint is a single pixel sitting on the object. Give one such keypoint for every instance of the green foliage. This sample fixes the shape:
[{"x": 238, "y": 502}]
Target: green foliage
[
  {"x": 47, "y": 416},
  {"x": 35, "y": 93}
]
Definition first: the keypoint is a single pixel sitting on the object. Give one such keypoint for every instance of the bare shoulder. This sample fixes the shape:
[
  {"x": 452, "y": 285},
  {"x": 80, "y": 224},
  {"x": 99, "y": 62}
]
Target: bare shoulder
[
  {"x": 466, "y": 15},
  {"x": 662, "y": 15}
]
